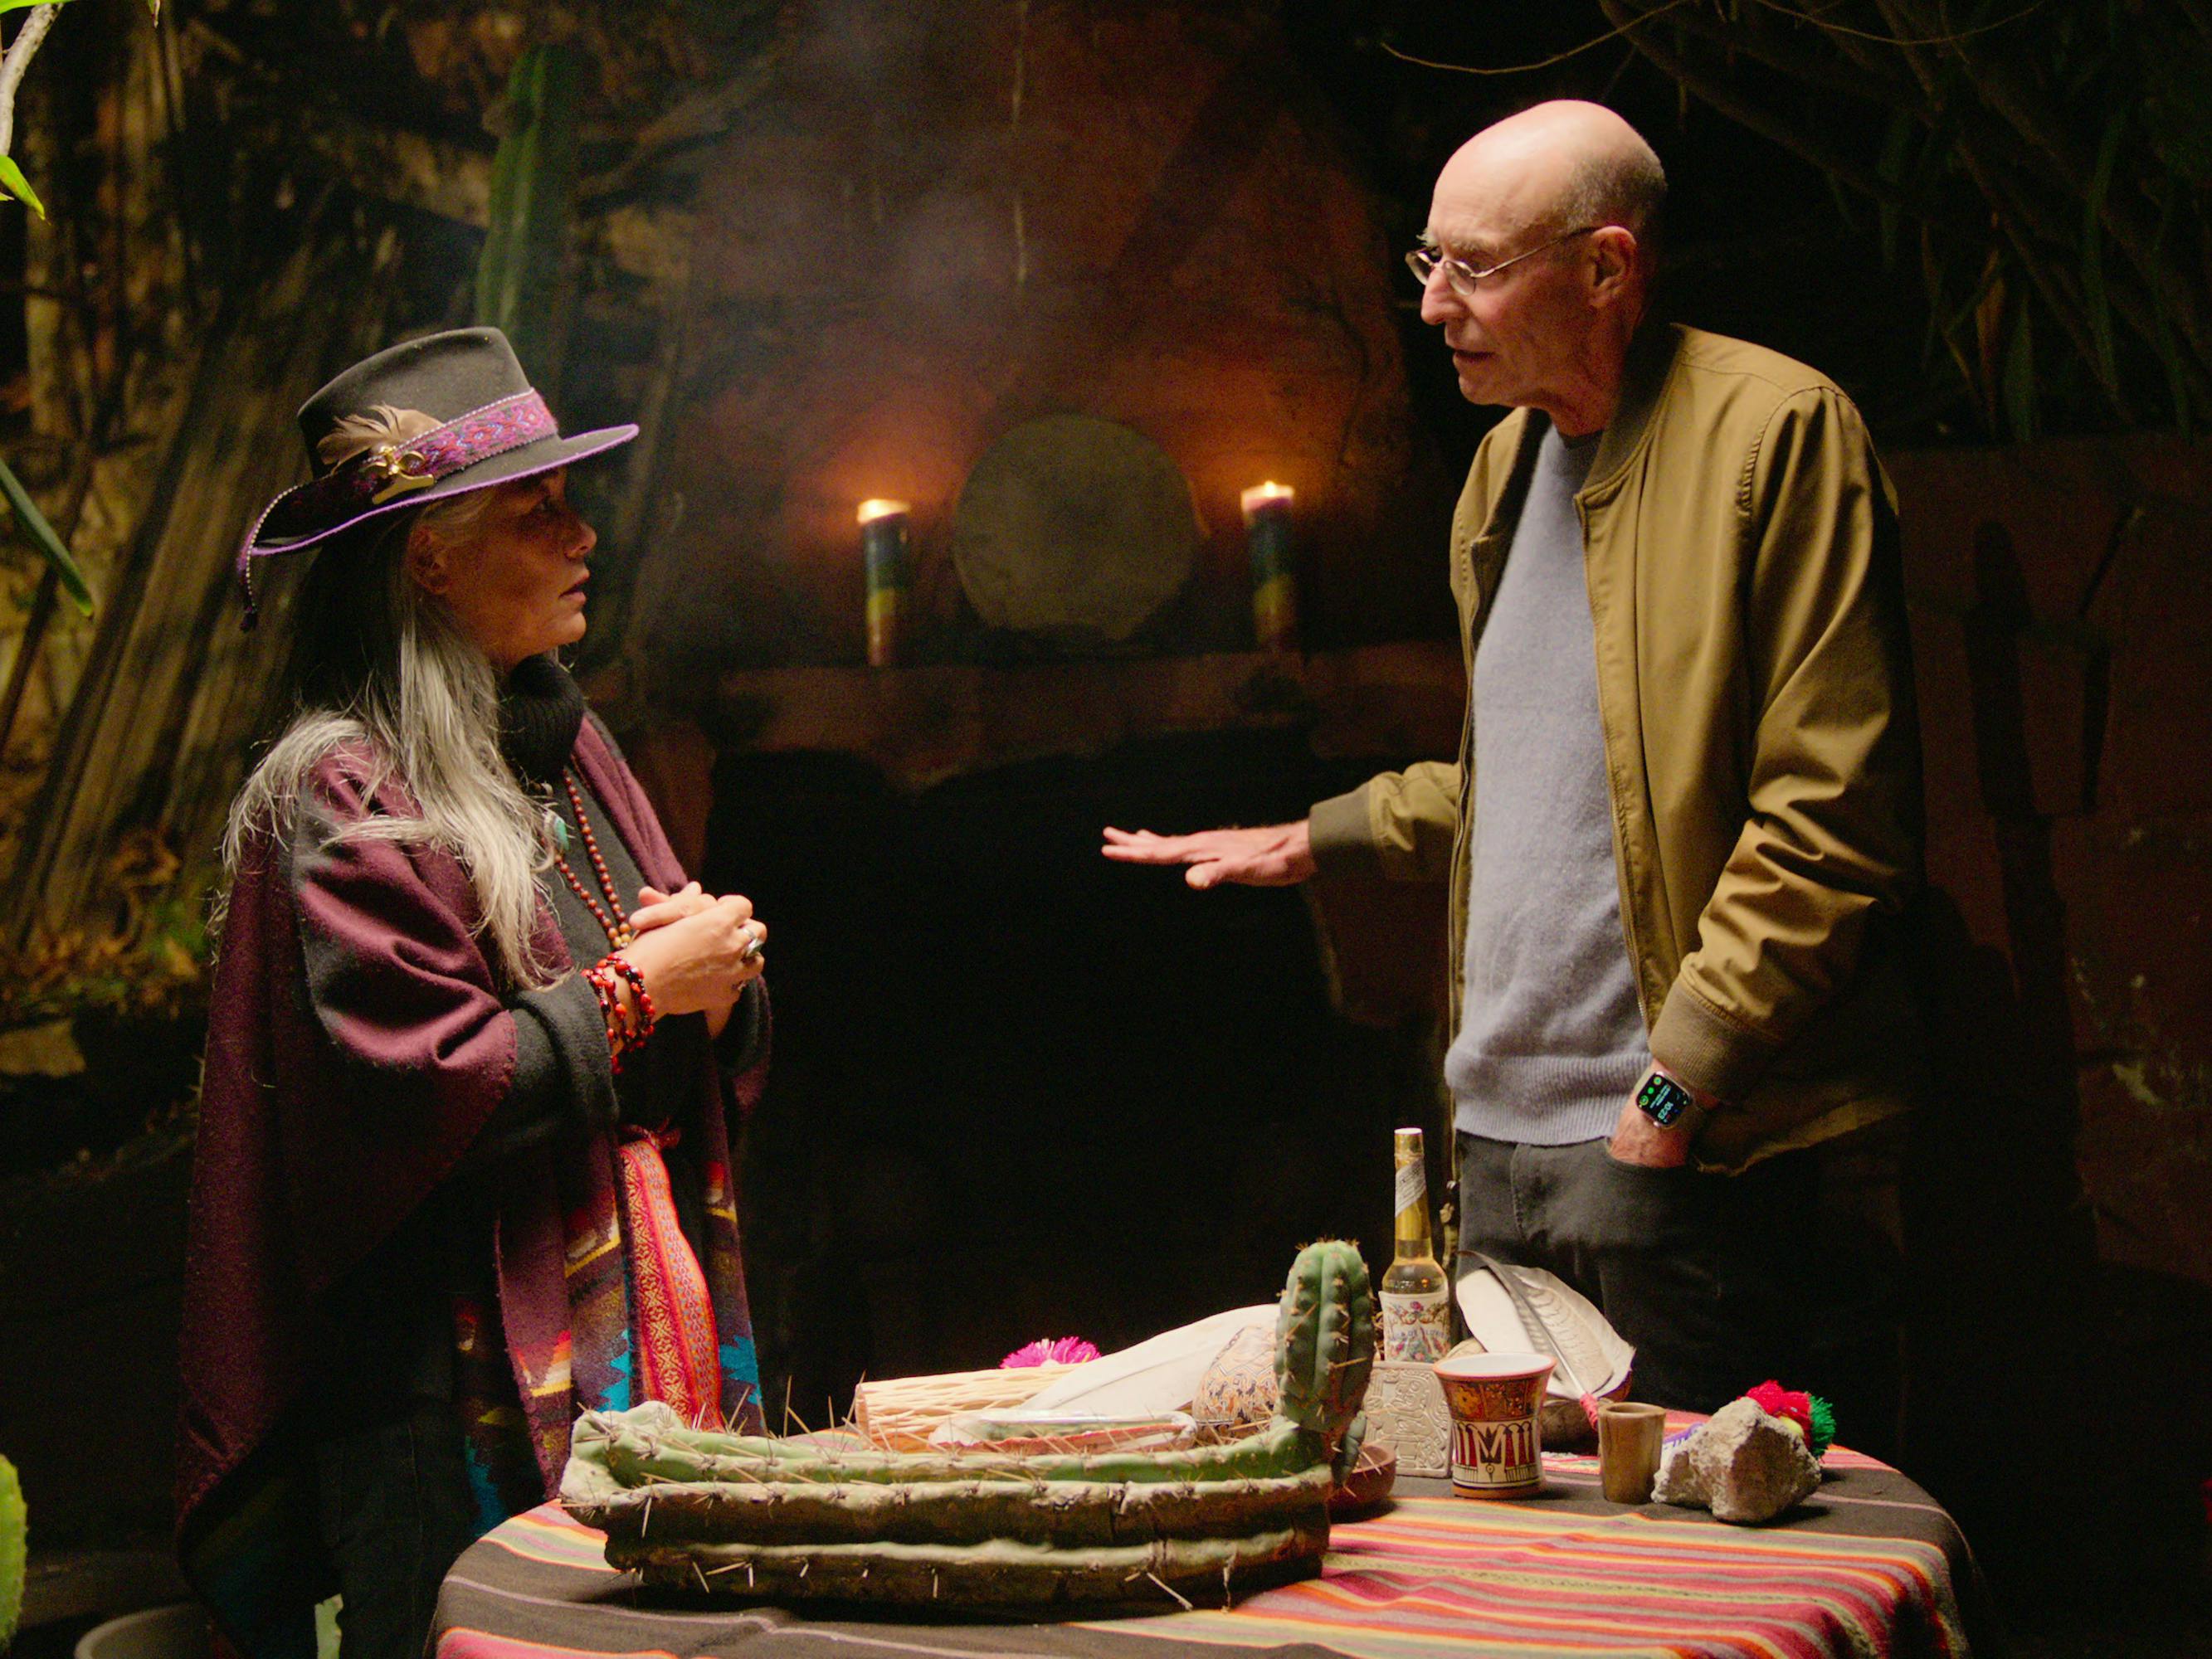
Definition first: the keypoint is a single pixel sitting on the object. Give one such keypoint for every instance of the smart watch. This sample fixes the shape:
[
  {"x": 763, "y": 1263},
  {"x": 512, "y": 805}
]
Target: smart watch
[{"x": 1664, "y": 1100}]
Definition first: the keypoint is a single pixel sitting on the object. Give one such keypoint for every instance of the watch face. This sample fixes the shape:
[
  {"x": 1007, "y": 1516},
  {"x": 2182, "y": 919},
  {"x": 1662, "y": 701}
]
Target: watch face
[{"x": 1663, "y": 1099}]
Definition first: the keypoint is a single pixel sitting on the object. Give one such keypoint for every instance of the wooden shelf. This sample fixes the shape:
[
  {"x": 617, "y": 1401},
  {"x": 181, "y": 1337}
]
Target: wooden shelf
[{"x": 923, "y": 723}]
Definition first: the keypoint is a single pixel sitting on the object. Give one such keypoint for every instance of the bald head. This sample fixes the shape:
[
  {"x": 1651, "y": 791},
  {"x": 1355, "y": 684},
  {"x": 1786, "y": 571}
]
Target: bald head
[{"x": 1558, "y": 166}]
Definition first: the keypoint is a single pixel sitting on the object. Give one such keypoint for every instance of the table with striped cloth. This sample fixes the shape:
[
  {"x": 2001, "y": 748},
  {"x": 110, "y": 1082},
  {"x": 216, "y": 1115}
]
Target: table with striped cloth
[{"x": 1869, "y": 1565}]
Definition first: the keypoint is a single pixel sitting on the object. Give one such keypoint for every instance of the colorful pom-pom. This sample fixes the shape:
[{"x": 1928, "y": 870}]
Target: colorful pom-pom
[
  {"x": 1811, "y": 1413},
  {"x": 1049, "y": 1351}
]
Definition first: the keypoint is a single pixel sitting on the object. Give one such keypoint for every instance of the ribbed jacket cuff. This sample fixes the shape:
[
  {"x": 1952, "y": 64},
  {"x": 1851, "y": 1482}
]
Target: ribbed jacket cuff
[
  {"x": 1342, "y": 836},
  {"x": 1708, "y": 1050}
]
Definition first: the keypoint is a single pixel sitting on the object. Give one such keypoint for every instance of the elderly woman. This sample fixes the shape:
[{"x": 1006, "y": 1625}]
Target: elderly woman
[{"x": 463, "y": 1167}]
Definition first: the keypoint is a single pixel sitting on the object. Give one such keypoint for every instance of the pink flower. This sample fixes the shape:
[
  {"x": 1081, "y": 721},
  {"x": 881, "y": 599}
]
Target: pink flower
[{"x": 1050, "y": 1351}]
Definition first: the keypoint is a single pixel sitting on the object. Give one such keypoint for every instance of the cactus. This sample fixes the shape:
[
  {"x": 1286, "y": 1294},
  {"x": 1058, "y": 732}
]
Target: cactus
[
  {"x": 1325, "y": 1347},
  {"x": 14, "y": 1530},
  {"x": 749, "y": 1514}
]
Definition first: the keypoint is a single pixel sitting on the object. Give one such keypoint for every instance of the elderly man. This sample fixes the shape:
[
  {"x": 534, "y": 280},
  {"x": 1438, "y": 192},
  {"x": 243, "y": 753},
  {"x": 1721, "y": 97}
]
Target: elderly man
[{"x": 1685, "y": 817}]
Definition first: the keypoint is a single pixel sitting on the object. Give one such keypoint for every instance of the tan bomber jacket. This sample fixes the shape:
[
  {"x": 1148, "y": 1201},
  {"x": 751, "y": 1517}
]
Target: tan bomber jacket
[{"x": 1755, "y": 687}]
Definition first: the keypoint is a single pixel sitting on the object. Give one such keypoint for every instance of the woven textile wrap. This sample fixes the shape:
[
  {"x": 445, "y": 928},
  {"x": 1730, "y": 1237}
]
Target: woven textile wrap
[
  {"x": 673, "y": 1315},
  {"x": 331, "y": 1112}
]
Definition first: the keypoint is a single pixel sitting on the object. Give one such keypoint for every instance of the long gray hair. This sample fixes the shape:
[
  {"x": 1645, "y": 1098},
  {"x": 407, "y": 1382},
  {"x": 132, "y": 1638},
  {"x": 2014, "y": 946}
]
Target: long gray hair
[{"x": 380, "y": 662}]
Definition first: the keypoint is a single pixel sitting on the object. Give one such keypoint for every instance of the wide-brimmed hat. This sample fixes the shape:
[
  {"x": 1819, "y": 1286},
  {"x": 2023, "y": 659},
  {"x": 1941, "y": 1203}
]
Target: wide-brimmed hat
[{"x": 415, "y": 424}]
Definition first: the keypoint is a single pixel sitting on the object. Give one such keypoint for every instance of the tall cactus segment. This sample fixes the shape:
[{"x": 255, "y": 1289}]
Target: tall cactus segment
[
  {"x": 755, "y": 1516},
  {"x": 15, "y": 1528},
  {"x": 1325, "y": 1347}
]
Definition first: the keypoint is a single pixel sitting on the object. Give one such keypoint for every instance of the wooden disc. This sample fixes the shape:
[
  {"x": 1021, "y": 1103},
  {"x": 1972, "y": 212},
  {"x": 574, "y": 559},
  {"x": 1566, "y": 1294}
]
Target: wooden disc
[{"x": 1073, "y": 529}]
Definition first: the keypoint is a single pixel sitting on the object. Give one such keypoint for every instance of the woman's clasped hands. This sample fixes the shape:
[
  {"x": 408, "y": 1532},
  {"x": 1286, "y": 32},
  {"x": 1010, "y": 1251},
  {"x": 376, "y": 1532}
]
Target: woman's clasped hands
[{"x": 696, "y": 953}]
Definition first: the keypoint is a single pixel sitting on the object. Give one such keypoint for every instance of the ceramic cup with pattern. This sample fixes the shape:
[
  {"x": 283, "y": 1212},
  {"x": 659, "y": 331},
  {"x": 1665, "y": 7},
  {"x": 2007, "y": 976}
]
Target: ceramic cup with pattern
[{"x": 1497, "y": 1438}]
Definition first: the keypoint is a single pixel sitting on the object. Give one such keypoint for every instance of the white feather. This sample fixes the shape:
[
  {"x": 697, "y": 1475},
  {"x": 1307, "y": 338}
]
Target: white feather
[
  {"x": 1159, "y": 1374},
  {"x": 1591, "y": 1347}
]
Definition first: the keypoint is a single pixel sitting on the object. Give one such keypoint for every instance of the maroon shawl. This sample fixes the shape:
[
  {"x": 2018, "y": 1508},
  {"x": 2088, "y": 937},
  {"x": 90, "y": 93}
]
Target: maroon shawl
[{"x": 309, "y": 1156}]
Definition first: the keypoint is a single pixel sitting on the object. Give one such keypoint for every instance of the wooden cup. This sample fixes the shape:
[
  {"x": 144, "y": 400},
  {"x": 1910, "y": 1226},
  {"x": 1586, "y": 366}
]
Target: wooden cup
[{"x": 1629, "y": 1437}]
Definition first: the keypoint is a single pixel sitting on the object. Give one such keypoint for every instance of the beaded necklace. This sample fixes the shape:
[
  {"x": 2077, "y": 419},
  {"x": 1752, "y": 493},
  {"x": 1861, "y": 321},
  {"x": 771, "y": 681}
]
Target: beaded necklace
[{"x": 616, "y": 927}]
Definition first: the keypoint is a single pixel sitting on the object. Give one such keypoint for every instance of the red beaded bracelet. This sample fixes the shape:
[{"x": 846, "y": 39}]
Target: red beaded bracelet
[
  {"x": 610, "y": 1011},
  {"x": 648, "y": 1016},
  {"x": 626, "y": 1025}
]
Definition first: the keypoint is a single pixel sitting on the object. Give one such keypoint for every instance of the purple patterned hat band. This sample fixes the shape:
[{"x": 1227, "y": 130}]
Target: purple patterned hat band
[{"x": 385, "y": 472}]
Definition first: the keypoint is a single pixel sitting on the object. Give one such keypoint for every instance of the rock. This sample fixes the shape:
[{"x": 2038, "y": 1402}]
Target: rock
[
  {"x": 1744, "y": 1464},
  {"x": 1677, "y": 1480}
]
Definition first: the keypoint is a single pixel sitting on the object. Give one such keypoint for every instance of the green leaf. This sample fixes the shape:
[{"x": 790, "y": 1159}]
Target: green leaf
[
  {"x": 2093, "y": 293},
  {"x": 2169, "y": 348},
  {"x": 13, "y": 183},
  {"x": 521, "y": 273},
  {"x": 17, "y": 5},
  {"x": 14, "y": 1531},
  {"x": 34, "y": 526}
]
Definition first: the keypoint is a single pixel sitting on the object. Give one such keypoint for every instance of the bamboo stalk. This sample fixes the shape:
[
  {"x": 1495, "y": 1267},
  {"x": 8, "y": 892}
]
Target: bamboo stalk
[
  {"x": 14, "y": 61},
  {"x": 27, "y": 645}
]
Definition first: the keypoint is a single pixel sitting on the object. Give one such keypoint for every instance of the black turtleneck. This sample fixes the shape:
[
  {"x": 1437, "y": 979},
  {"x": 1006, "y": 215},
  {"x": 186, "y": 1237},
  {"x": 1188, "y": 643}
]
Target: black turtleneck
[{"x": 540, "y": 712}]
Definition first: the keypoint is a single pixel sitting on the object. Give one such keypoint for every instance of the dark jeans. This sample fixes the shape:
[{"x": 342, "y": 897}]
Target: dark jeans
[
  {"x": 393, "y": 1503},
  {"x": 1790, "y": 1270}
]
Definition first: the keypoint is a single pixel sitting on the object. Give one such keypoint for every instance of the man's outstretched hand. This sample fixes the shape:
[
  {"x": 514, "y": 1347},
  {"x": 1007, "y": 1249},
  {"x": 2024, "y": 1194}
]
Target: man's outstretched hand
[{"x": 1279, "y": 855}]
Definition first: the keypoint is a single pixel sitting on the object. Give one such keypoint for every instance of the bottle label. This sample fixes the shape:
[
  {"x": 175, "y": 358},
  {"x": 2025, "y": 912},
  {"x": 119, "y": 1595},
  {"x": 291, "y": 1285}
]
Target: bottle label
[
  {"x": 1417, "y": 1327},
  {"x": 1413, "y": 1190}
]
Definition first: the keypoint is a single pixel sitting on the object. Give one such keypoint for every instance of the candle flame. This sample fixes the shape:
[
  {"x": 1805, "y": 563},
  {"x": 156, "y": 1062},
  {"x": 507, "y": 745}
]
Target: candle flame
[
  {"x": 878, "y": 508},
  {"x": 1260, "y": 494}
]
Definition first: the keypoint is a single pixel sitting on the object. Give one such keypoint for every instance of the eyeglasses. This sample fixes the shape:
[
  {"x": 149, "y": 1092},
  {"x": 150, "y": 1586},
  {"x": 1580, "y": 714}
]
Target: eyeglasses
[{"x": 1462, "y": 278}]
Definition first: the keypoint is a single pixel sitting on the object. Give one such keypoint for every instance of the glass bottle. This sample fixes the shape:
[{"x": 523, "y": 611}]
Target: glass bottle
[{"x": 1416, "y": 1296}]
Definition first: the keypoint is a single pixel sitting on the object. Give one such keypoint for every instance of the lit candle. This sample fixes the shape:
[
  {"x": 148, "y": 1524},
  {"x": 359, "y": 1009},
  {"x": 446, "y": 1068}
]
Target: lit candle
[
  {"x": 883, "y": 554},
  {"x": 1274, "y": 565}
]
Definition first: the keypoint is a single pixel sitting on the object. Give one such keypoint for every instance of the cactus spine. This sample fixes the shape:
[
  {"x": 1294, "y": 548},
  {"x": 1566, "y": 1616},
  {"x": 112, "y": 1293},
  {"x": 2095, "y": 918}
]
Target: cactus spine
[
  {"x": 1325, "y": 1347},
  {"x": 748, "y": 1515}
]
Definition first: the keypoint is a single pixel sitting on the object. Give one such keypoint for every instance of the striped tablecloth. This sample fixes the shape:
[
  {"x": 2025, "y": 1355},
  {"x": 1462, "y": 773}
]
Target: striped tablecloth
[{"x": 1870, "y": 1565}]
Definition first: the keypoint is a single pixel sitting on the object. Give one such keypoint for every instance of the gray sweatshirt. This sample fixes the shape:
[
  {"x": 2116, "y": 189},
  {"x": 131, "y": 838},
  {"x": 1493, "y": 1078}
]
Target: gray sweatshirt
[{"x": 1551, "y": 1039}]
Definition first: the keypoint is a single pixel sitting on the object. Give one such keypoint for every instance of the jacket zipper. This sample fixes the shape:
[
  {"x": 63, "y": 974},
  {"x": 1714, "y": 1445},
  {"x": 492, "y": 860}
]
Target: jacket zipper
[{"x": 1623, "y": 876}]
